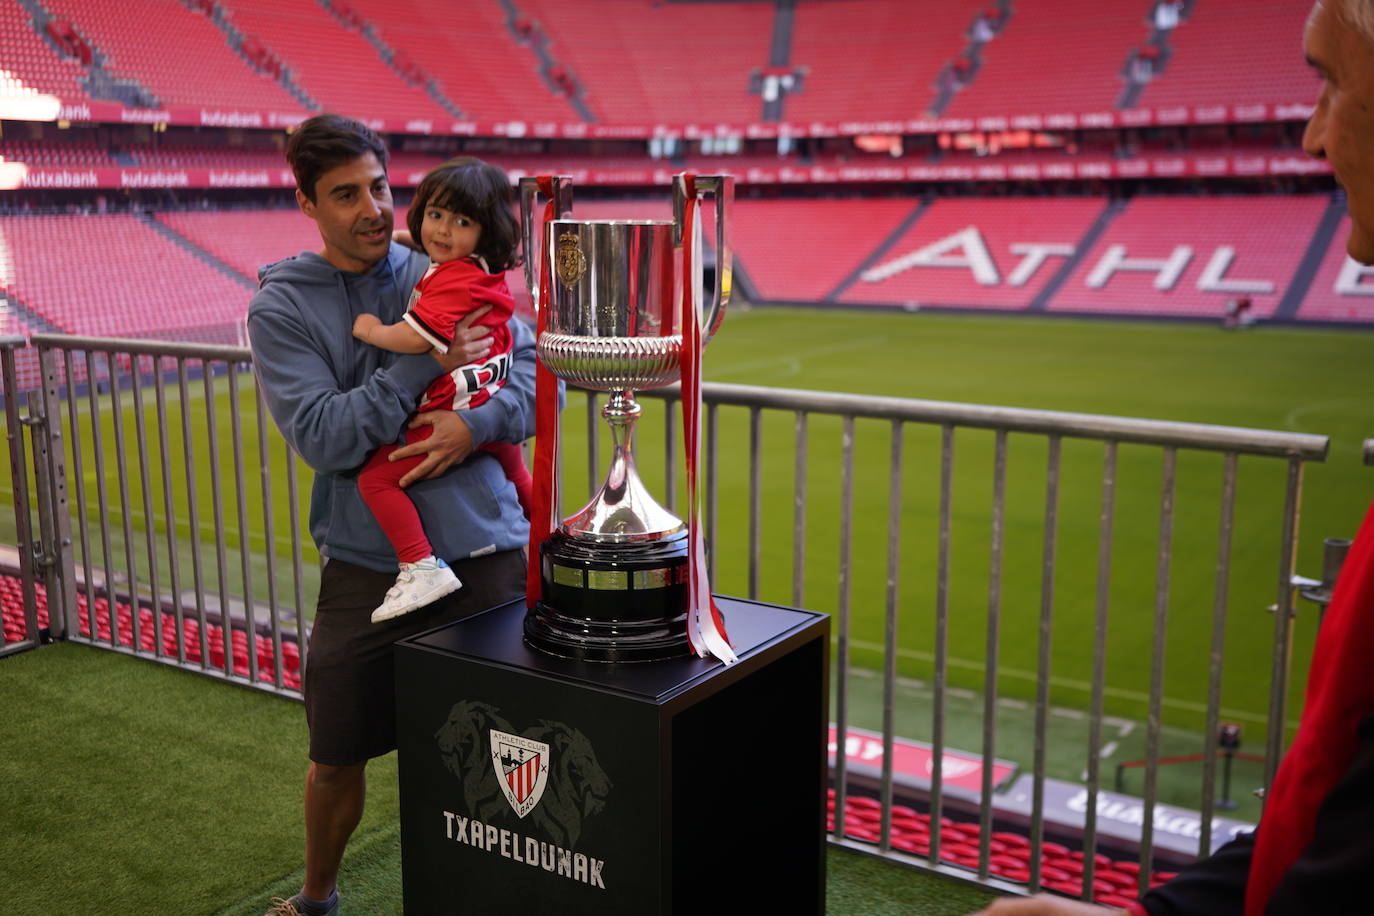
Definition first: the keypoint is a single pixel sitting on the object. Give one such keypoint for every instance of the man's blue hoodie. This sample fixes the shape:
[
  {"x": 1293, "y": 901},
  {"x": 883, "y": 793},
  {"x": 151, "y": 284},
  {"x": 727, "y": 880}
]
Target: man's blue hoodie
[{"x": 336, "y": 399}]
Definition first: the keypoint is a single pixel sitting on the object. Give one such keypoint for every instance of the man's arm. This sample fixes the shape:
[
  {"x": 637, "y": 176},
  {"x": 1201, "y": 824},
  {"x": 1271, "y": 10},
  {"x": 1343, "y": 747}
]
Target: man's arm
[
  {"x": 507, "y": 417},
  {"x": 331, "y": 428}
]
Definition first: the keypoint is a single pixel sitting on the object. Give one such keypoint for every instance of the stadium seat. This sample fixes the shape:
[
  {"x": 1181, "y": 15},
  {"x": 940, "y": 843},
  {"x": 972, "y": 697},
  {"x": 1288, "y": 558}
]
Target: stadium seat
[
  {"x": 177, "y": 54},
  {"x": 1186, "y": 256}
]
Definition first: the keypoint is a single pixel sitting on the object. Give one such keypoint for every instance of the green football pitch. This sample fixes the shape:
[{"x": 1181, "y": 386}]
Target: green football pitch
[{"x": 1306, "y": 380}]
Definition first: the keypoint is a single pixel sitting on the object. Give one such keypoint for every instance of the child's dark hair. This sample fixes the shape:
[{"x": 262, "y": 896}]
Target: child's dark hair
[
  {"x": 328, "y": 141},
  {"x": 479, "y": 191}
]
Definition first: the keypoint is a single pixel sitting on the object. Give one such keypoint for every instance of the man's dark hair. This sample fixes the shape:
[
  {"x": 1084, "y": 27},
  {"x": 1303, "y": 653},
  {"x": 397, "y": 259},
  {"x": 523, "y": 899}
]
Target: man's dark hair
[
  {"x": 328, "y": 141},
  {"x": 479, "y": 191}
]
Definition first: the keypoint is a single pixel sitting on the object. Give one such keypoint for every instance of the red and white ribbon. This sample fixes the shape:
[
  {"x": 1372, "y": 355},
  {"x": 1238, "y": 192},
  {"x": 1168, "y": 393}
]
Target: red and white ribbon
[
  {"x": 544, "y": 512},
  {"x": 705, "y": 627}
]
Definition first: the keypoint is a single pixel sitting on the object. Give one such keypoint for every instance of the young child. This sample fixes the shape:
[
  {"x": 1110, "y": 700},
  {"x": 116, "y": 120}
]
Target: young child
[{"x": 461, "y": 217}]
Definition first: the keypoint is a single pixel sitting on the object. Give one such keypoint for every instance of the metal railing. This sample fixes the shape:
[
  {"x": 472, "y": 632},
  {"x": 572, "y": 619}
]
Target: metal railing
[{"x": 126, "y": 523}]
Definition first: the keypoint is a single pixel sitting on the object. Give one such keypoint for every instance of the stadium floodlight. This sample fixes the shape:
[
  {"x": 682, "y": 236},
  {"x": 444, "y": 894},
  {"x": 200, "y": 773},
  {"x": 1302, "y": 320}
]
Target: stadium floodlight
[
  {"x": 12, "y": 175},
  {"x": 19, "y": 102}
]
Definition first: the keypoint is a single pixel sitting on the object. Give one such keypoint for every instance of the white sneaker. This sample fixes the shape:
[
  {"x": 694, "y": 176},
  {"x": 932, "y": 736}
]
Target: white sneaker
[{"x": 417, "y": 584}]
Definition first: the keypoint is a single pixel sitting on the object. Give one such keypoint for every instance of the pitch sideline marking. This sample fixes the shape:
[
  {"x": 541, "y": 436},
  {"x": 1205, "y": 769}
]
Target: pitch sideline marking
[{"x": 1073, "y": 684}]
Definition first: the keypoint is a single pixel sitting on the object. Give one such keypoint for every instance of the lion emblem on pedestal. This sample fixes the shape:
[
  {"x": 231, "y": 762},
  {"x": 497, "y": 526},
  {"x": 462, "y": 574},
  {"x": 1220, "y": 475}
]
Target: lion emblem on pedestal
[{"x": 577, "y": 785}]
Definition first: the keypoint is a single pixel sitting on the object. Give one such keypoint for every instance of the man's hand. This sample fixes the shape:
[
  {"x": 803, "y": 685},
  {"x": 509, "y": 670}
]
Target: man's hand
[
  {"x": 449, "y": 442},
  {"x": 469, "y": 343},
  {"x": 1044, "y": 905},
  {"x": 364, "y": 324}
]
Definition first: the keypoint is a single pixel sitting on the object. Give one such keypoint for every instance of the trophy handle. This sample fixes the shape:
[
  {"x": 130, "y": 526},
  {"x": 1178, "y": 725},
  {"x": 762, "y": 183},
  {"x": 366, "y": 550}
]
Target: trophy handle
[
  {"x": 722, "y": 188},
  {"x": 530, "y": 231}
]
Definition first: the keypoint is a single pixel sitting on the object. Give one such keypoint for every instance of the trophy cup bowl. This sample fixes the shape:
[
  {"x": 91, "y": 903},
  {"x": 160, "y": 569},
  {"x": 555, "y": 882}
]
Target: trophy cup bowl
[{"x": 614, "y": 574}]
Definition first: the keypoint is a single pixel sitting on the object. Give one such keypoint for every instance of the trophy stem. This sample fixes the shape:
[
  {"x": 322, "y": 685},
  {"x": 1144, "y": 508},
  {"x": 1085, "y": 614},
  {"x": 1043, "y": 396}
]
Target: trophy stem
[
  {"x": 622, "y": 509},
  {"x": 621, "y": 414}
]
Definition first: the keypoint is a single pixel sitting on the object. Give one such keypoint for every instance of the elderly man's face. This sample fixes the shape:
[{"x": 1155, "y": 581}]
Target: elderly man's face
[{"x": 1342, "y": 126}]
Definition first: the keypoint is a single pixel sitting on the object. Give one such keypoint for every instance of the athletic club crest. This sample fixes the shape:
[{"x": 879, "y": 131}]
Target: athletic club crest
[{"x": 522, "y": 769}]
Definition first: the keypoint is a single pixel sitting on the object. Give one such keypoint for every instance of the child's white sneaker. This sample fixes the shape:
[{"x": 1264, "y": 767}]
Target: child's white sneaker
[{"x": 417, "y": 584}]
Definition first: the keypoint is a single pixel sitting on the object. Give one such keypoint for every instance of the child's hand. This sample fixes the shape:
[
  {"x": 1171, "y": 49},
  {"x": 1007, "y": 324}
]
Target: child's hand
[
  {"x": 403, "y": 237},
  {"x": 364, "y": 324}
]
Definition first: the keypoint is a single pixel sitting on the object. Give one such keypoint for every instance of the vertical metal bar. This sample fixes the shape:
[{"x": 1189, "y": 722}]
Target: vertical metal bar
[
  {"x": 1161, "y": 622},
  {"x": 125, "y": 510},
  {"x": 1104, "y": 579},
  {"x": 103, "y": 508},
  {"x": 250, "y": 623},
  {"x": 269, "y": 552},
  {"x": 83, "y": 524},
  {"x": 1042, "y": 669},
  {"x": 19, "y": 481},
  {"x": 842, "y": 675},
  {"x": 990, "y": 652},
  {"x": 60, "y": 570},
  {"x": 149, "y": 519},
  {"x": 712, "y": 487},
  {"x": 297, "y": 570},
  {"x": 799, "y": 514},
  {"x": 670, "y": 454},
  {"x": 226, "y": 614},
  {"x": 894, "y": 561},
  {"x": 755, "y": 498},
  {"x": 593, "y": 446},
  {"x": 1283, "y": 624},
  {"x": 1209, "y": 763},
  {"x": 941, "y": 671},
  {"x": 170, "y": 514},
  {"x": 193, "y": 507}
]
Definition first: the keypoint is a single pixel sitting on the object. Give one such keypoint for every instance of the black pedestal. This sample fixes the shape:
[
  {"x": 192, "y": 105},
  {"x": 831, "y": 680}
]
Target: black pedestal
[{"x": 677, "y": 786}]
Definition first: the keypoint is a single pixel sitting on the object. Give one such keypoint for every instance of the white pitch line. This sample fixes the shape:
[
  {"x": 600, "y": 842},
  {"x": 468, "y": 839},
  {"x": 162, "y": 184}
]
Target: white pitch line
[
  {"x": 791, "y": 363},
  {"x": 1072, "y": 684}
]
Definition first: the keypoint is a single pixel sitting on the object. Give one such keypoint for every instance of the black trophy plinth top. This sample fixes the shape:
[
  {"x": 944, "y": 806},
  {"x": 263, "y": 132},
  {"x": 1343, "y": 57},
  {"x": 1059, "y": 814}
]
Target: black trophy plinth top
[{"x": 495, "y": 636}]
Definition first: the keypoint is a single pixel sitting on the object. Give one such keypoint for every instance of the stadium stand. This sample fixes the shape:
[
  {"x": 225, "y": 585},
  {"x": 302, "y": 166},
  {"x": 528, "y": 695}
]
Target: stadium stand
[
  {"x": 205, "y": 157},
  {"x": 178, "y": 55},
  {"x": 1236, "y": 52},
  {"x": 1022, "y": 68},
  {"x": 1061, "y": 869},
  {"x": 55, "y": 154},
  {"x": 1170, "y": 256},
  {"x": 1342, "y": 290},
  {"x": 827, "y": 240},
  {"x": 67, "y": 271},
  {"x": 894, "y": 77},
  {"x": 246, "y": 239},
  {"x": 339, "y": 67},
  {"x": 958, "y": 252},
  {"x": 968, "y": 252},
  {"x": 643, "y": 62},
  {"x": 118, "y": 629},
  {"x": 474, "y": 57},
  {"x": 32, "y": 60}
]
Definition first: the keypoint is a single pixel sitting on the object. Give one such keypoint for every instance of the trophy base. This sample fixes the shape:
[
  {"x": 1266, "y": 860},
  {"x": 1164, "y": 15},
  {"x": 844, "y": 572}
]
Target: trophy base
[{"x": 611, "y": 602}]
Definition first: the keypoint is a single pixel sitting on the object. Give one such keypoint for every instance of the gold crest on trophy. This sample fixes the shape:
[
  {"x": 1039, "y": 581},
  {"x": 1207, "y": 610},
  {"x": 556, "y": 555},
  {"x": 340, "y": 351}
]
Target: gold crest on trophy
[{"x": 571, "y": 262}]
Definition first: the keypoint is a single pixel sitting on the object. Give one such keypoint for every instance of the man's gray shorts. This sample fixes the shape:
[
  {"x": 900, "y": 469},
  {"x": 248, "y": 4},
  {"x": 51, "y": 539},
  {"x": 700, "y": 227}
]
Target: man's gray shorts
[{"x": 350, "y": 702}]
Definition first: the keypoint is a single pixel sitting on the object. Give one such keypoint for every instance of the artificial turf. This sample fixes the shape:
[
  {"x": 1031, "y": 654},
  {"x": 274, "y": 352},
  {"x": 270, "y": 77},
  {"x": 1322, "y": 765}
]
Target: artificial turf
[{"x": 132, "y": 786}]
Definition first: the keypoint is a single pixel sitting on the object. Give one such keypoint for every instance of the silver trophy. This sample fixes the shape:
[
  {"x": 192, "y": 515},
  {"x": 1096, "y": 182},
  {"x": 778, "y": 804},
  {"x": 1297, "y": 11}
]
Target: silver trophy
[{"x": 614, "y": 574}]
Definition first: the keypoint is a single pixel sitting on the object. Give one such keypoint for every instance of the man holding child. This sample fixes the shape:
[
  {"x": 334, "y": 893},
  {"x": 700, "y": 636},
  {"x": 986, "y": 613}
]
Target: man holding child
[{"x": 336, "y": 400}]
